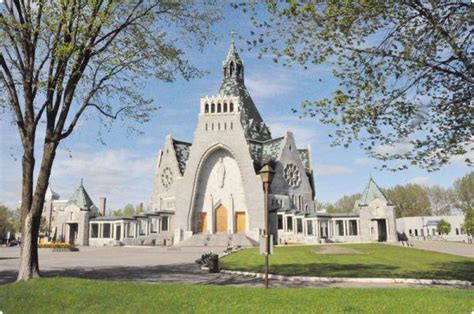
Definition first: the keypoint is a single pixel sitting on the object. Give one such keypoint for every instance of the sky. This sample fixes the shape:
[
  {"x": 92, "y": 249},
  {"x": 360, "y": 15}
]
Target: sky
[{"x": 120, "y": 166}]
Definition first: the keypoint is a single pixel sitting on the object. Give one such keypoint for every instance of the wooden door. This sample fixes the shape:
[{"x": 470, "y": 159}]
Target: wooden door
[
  {"x": 202, "y": 222},
  {"x": 240, "y": 222},
  {"x": 221, "y": 219}
]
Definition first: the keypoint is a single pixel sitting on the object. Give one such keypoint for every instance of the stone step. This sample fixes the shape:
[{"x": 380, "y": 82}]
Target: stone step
[{"x": 219, "y": 240}]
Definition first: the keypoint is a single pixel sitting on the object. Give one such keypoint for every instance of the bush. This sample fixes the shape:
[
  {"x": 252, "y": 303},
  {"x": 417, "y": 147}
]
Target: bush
[{"x": 55, "y": 245}]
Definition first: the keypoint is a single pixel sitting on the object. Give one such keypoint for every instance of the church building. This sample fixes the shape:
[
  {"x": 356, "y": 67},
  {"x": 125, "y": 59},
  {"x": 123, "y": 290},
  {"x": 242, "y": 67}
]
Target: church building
[{"x": 209, "y": 192}]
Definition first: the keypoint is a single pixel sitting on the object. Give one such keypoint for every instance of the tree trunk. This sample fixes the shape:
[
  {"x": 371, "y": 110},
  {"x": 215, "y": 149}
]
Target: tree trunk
[{"x": 29, "y": 265}]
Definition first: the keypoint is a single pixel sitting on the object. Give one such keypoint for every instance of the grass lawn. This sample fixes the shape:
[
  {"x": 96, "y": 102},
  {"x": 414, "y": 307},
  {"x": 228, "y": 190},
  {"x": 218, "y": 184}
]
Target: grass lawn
[
  {"x": 54, "y": 295},
  {"x": 374, "y": 260}
]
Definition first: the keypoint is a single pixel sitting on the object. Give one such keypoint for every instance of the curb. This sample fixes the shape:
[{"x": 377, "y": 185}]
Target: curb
[{"x": 352, "y": 280}]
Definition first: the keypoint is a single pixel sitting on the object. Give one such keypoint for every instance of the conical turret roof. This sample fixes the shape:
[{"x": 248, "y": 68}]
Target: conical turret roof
[
  {"x": 371, "y": 192},
  {"x": 81, "y": 198}
]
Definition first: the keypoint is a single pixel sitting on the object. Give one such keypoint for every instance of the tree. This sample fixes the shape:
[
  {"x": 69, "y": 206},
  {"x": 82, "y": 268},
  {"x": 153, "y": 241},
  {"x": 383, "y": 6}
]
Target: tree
[
  {"x": 6, "y": 222},
  {"x": 345, "y": 204},
  {"x": 464, "y": 192},
  {"x": 443, "y": 227},
  {"x": 464, "y": 200},
  {"x": 129, "y": 210},
  {"x": 468, "y": 225},
  {"x": 441, "y": 200},
  {"x": 409, "y": 200},
  {"x": 404, "y": 68},
  {"x": 59, "y": 59}
]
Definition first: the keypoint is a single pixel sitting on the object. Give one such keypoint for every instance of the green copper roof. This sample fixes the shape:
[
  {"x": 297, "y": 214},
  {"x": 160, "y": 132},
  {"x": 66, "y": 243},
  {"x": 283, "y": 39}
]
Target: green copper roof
[
  {"x": 372, "y": 191},
  {"x": 264, "y": 152},
  {"x": 182, "y": 153},
  {"x": 233, "y": 85},
  {"x": 81, "y": 199}
]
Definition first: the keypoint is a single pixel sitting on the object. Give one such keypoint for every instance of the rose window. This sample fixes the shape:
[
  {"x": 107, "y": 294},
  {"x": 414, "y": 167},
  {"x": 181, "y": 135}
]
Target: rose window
[
  {"x": 292, "y": 175},
  {"x": 167, "y": 177}
]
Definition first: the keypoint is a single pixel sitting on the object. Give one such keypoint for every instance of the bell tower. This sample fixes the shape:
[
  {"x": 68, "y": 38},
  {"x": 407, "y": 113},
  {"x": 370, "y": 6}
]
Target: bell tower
[{"x": 233, "y": 67}]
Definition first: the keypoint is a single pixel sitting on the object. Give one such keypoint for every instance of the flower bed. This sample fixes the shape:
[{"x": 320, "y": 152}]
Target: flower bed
[{"x": 59, "y": 247}]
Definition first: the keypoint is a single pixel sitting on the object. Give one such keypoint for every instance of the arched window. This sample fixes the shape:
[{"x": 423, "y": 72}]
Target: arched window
[
  {"x": 239, "y": 69},
  {"x": 225, "y": 125},
  {"x": 231, "y": 126},
  {"x": 206, "y": 126},
  {"x": 218, "y": 126},
  {"x": 206, "y": 108},
  {"x": 219, "y": 107},
  {"x": 231, "y": 107},
  {"x": 212, "y": 126},
  {"x": 225, "y": 107},
  {"x": 231, "y": 68},
  {"x": 213, "y": 108}
]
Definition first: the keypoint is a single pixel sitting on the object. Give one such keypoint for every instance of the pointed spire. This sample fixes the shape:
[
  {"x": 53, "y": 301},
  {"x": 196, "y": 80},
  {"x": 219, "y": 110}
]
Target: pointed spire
[
  {"x": 233, "y": 67},
  {"x": 371, "y": 192}
]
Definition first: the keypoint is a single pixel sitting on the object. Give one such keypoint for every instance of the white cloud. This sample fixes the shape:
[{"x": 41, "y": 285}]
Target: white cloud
[
  {"x": 118, "y": 174},
  {"x": 331, "y": 170},
  {"x": 264, "y": 87},
  {"x": 421, "y": 180},
  {"x": 361, "y": 161},
  {"x": 395, "y": 149}
]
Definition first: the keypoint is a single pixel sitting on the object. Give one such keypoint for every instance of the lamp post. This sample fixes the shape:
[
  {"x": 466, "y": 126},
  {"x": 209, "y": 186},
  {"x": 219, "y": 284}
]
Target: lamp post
[{"x": 266, "y": 174}]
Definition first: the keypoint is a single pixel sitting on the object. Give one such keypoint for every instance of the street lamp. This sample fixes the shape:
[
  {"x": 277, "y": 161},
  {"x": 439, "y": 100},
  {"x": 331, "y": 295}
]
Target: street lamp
[{"x": 266, "y": 174}]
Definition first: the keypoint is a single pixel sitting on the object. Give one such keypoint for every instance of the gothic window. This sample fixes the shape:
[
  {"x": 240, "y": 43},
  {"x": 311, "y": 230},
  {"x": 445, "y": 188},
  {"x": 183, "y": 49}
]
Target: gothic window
[
  {"x": 292, "y": 175},
  {"x": 218, "y": 126},
  {"x": 231, "y": 68},
  {"x": 225, "y": 125},
  {"x": 231, "y": 107},
  {"x": 219, "y": 107},
  {"x": 225, "y": 107},
  {"x": 231, "y": 126},
  {"x": 167, "y": 177},
  {"x": 206, "y": 108},
  {"x": 239, "y": 69},
  {"x": 213, "y": 108},
  {"x": 212, "y": 126},
  {"x": 206, "y": 126}
]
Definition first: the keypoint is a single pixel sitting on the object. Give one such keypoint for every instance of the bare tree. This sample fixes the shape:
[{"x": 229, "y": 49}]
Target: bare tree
[{"x": 61, "y": 58}]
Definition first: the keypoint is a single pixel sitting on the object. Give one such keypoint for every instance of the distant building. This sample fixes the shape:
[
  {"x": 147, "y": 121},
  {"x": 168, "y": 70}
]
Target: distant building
[
  {"x": 68, "y": 220},
  {"x": 424, "y": 228}
]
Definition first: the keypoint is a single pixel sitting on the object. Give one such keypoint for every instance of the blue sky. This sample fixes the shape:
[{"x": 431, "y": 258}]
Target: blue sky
[{"x": 123, "y": 168}]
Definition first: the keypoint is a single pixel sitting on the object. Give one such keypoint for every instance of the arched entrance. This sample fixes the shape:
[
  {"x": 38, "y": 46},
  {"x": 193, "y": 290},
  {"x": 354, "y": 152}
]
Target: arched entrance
[{"x": 221, "y": 219}]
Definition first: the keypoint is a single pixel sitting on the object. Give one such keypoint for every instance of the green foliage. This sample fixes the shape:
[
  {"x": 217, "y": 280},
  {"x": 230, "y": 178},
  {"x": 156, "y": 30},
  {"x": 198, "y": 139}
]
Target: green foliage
[
  {"x": 443, "y": 227},
  {"x": 468, "y": 225},
  {"x": 404, "y": 69},
  {"x": 7, "y": 223},
  {"x": 441, "y": 200},
  {"x": 464, "y": 192},
  {"x": 53, "y": 295},
  {"x": 344, "y": 205},
  {"x": 409, "y": 200},
  {"x": 369, "y": 261}
]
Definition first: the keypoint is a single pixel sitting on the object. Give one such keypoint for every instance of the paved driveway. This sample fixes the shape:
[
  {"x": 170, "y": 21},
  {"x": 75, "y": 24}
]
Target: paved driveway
[
  {"x": 455, "y": 248},
  {"x": 144, "y": 264}
]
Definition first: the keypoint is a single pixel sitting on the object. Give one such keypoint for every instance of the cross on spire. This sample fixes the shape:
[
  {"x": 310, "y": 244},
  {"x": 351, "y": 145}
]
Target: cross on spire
[{"x": 232, "y": 34}]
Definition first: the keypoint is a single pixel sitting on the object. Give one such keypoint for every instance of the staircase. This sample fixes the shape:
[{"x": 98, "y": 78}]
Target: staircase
[{"x": 219, "y": 240}]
